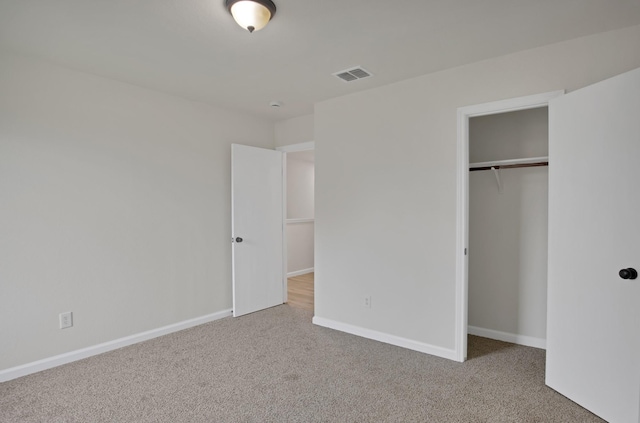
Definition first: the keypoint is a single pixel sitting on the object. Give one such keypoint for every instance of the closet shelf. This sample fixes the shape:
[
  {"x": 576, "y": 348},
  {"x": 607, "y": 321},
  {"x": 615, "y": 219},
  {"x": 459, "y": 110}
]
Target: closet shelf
[{"x": 510, "y": 164}]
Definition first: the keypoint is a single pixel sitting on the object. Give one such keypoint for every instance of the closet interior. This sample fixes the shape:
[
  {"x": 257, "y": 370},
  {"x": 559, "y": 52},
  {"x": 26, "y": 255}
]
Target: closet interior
[{"x": 508, "y": 207}]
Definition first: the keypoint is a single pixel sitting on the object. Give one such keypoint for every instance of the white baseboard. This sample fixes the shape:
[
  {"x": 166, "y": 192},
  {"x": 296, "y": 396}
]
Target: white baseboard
[
  {"x": 528, "y": 341},
  {"x": 300, "y": 272},
  {"x": 58, "y": 360},
  {"x": 386, "y": 338}
]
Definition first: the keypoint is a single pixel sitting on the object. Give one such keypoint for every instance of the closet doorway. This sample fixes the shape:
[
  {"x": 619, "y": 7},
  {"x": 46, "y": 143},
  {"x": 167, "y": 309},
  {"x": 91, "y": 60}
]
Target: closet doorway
[
  {"x": 508, "y": 208},
  {"x": 299, "y": 224},
  {"x": 501, "y": 275}
]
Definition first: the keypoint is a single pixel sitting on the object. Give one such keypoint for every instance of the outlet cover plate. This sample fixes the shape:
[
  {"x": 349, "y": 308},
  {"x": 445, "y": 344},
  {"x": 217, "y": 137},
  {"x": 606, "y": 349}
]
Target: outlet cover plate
[
  {"x": 367, "y": 301},
  {"x": 66, "y": 320}
]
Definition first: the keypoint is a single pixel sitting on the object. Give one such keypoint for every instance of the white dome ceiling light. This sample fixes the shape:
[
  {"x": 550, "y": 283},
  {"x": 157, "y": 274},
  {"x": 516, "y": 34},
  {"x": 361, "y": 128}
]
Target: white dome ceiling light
[{"x": 252, "y": 15}]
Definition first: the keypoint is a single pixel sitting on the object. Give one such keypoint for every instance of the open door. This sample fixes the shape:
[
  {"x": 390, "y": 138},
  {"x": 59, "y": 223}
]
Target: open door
[
  {"x": 256, "y": 221},
  {"x": 593, "y": 320}
]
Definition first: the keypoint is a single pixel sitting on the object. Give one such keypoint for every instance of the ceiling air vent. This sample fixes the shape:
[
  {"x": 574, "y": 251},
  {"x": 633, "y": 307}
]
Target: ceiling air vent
[{"x": 353, "y": 74}]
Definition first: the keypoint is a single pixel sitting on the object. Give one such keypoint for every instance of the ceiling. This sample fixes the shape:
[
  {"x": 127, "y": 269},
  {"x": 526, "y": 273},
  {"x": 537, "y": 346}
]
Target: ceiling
[{"x": 194, "y": 49}]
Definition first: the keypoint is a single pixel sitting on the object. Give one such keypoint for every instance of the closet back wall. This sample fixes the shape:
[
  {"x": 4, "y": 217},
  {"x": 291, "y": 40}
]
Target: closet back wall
[{"x": 508, "y": 230}]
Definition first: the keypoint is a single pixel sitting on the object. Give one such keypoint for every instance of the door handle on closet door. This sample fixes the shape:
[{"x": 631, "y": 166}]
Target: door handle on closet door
[
  {"x": 238, "y": 239},
  {"x": 629, "y": 273}
]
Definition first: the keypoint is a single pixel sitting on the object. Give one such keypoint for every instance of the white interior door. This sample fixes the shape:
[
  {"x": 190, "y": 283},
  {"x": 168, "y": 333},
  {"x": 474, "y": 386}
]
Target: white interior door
[
  {"x": 257, "y": 216},
  {"x": 593, "y": 320}
]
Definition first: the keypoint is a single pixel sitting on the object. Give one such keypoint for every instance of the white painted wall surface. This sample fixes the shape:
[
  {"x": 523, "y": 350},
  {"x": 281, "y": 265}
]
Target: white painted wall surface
[
  {"x": 300, "y": 185},
  {"x": 294, "y": 131},
  {"x": 115, "y": 204},
  {"x": 300, "y": 205},
  {"x": 299, "y": 247},
  {"x": 508, "y": 230},
  {"x": 386, "y": 183},
  {"x": 512, "y": 135}
]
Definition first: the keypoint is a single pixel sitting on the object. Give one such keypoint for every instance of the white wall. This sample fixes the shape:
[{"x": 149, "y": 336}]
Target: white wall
[
  {"x": 508, "y": 230},
  {"x": 386, "y": 184},
  {"x": 299, "y": 248},
  {"x": 114, "y": 204},
  {"x": 300, "y": 205},
  {"x": 300, "y": 185},
  {"x": 512, "y": 135},
  {"x": 294, "y": 131}
]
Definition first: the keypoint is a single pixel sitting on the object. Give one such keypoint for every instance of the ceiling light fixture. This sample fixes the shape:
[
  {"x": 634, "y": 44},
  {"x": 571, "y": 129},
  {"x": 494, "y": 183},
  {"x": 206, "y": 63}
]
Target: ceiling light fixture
[{"x": 252, "y": 15}]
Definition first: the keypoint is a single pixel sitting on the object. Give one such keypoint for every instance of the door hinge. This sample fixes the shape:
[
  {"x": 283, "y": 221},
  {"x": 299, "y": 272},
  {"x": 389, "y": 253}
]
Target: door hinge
[{"x": 465, "y": 251}]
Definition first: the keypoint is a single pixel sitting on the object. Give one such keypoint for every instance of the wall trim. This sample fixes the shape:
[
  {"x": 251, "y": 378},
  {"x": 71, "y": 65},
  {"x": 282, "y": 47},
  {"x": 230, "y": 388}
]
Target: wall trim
[
  {"x": 514, "y": 338},
  {"x": 386, "y": 338},
  {"x": 300, "y": 272},
  {"x": 292, "y": 148},
  {"x": 58, "y": 360}
]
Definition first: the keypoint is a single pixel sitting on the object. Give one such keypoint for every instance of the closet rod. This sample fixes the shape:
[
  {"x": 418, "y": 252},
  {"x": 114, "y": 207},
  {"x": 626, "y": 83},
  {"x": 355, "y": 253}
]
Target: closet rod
[
  {"x": 510, "y": 163},
  {"x": 509, "y": 166}
]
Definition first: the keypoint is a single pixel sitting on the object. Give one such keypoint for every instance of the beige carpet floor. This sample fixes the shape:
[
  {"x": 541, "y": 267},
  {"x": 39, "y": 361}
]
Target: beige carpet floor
[{"x": 275, "y": 366}]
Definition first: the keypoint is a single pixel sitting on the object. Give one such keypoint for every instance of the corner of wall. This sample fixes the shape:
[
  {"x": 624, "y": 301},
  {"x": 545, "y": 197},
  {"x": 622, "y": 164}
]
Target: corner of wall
[{"x": 295, "y": 130}]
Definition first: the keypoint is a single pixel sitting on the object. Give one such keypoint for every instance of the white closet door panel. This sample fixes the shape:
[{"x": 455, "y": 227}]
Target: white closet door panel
[{"x": 593, "y": 331}]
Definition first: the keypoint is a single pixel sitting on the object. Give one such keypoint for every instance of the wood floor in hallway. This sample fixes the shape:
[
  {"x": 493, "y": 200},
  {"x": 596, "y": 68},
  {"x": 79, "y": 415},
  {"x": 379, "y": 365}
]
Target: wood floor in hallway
[{"x": 300, "y": 291}]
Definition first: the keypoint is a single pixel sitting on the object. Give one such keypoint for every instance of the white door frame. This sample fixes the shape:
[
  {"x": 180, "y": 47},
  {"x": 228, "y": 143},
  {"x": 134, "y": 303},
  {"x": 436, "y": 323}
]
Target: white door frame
[
  {"x": 292, "y": 148},
  {"x": 462, "y": 209}
]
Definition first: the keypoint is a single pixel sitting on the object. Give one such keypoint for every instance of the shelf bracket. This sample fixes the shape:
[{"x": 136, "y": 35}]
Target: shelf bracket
[{"x": 496, "y": 172}]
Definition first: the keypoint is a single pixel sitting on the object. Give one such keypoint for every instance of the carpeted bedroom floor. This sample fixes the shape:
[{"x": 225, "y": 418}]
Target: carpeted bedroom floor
[{"x": 276, "y": 366}]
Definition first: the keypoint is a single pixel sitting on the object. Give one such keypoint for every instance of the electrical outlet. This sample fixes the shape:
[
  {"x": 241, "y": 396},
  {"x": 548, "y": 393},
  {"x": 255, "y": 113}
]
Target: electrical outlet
[
  {"x": 66, "y": 320},
  {"x": 367, "y": 301}
]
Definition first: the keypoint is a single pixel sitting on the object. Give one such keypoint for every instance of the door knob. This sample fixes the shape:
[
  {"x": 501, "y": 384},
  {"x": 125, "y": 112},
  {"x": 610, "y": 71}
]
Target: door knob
[
  {"x": 629, "y": 273},
  {"x": 238, "y": 239}
]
